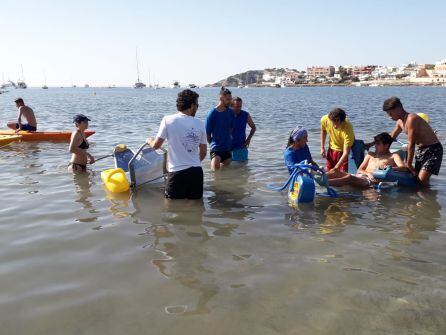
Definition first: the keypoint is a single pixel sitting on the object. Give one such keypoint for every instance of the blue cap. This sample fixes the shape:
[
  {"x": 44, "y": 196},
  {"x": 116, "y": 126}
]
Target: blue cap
[{"x": 80, "y": 118}]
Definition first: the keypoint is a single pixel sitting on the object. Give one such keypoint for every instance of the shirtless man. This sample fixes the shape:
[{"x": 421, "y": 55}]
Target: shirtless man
[
  {"x": 381, "y": 159},
  {"x": 28, "y": 114},
  {"x": 429, "y": 155}
]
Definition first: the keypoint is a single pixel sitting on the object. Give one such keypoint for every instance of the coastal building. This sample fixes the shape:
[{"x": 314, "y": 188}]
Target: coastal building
[
  {"x": 429, "y": 74},
  {"x": 435, "y": 80},
  {"x": 268, "y": 76},
  {"x": 364, "y": 75},
  {"x": 382, "y": 72},
  {"x": 362, "y": 71},
  {"x": 290, "y": 77},
  {"x": 321, "y": 71},
  {"x": 425, "y": 70},
  {"x": 426, "y": 66},
  {"x": 341, "y": 73},
  {"x": 440, "y": 68}
]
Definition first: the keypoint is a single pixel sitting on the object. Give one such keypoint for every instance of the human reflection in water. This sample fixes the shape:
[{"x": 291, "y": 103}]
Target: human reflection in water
[
  {"x": 398, "y": 208},
  {"x": 424, "y": 215},
  {"x": 227, "y": 196},
  {"x": 82, "y": 184},
  {"x": 176, "y": 231}
]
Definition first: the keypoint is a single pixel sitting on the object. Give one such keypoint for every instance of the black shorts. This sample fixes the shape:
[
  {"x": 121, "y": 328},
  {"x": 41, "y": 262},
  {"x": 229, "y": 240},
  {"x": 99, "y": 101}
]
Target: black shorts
[
  {"x": 224, "y": 155},
  {"x": 26, "y": 127},
  {"x": 429, "y": 158},
  {"x": 185, "y": 184}
]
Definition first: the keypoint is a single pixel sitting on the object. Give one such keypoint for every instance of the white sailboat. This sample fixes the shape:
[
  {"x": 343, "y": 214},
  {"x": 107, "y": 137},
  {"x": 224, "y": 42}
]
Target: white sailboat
[
  {"x": 150, "y": 81},
  {"x": 45, "y": 87},
  {"x": 21, "y": 83},
  {"x": 139, "y": 83}
]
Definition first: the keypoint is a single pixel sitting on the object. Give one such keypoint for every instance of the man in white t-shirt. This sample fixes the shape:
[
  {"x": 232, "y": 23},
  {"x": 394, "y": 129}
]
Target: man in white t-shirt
[{"x": 187, "y": 147}]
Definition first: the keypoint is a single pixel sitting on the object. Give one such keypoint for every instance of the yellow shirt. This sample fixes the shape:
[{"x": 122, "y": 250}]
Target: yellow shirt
[{"x": 340, "y": 138}]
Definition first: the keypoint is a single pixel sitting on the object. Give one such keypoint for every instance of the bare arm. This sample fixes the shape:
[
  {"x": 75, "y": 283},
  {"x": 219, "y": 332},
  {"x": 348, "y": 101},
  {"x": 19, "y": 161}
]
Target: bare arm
[
  {"x": 312, "y": 162},
  {"x": 19, "y": 117},
  {"x": 323, "y": 138},
  {"x": 76, "y": 140},
  {"x": 155, "y": 143},
  {"x": 400, "y": 166},
  {"x": 396, "y": 131},
  {"x": 369, "y": 145},
  {"x": 251, "y": 133},
  {"x": 203, "y": 148},
  {"x": 410, "y": 144},
  {"x": 363, "y": 167},
  {"x": 343, "y": 158}
]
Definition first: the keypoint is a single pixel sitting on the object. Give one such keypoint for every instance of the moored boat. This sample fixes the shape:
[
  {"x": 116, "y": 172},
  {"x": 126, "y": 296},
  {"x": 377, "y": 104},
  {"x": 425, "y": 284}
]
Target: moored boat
[
  {"x": 139, "y": 83},
  {"x": 43, "y": 135}
]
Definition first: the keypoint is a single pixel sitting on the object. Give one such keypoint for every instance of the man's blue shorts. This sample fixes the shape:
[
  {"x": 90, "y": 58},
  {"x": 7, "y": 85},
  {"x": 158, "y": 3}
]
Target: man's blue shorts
[{"x": 26, "y": 127}]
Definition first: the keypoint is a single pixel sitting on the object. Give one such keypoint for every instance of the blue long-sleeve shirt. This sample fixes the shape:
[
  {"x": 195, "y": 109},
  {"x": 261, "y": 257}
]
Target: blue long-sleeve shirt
[{"x": 292, "y": 156}]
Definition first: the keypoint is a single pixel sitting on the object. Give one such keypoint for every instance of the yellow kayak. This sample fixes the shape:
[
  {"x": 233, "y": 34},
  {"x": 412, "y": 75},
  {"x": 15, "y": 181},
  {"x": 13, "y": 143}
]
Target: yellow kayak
[{"x": 6, "y": 139}]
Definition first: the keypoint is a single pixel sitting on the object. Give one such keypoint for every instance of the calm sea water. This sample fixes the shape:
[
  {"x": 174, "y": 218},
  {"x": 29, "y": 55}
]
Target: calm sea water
[{"x": 74, "y": 260}]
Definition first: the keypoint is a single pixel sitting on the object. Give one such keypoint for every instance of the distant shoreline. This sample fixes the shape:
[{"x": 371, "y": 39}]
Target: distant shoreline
[
  {"x": 361, "y": 84},
  {"x": 395, "y": 83}
]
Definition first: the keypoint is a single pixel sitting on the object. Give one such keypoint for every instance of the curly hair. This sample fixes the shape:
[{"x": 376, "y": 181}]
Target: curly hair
[
  {"x": 337, "y": 114},
  {"x": 186, "y": 99}
]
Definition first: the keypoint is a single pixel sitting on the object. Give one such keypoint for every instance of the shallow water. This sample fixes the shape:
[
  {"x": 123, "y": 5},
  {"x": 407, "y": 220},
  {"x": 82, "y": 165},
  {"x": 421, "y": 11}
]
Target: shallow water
[{"x": 74, "y": 260}]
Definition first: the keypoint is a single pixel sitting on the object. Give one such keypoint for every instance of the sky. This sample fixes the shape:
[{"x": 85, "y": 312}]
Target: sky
[{"x": 94, "y": 42}]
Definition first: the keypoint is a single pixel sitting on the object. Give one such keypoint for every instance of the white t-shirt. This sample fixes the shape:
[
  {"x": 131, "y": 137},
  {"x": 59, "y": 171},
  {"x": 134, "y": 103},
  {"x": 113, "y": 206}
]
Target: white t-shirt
[{"x": 184, "y": 134}]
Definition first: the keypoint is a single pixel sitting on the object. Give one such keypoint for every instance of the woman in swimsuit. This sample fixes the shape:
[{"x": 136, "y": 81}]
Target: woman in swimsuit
[{"x": 79, "y": 145}]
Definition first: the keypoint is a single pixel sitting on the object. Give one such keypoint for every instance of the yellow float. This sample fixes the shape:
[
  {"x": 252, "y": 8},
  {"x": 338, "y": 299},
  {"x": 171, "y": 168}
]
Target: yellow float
[
  {"x": 6, "y": 139},
  {"x": 115, "y": 180}
]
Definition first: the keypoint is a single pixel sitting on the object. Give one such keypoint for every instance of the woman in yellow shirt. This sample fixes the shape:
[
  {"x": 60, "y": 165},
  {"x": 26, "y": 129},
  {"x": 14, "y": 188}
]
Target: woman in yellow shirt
[{"x": 341, "y": 139}]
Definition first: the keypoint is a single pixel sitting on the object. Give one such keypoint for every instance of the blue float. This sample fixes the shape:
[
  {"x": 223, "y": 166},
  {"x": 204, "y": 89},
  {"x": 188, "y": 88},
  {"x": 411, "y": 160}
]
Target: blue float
[
  {"x": 302, "y": 190},
  {"x": 301, "y": 187},
  {"x": 401, "y": 178}
]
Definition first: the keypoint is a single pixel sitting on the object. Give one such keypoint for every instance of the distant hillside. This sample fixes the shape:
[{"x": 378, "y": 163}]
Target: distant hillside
[
  {"x": 244, "y": 78},
  {"x": 252, "y": 77}
]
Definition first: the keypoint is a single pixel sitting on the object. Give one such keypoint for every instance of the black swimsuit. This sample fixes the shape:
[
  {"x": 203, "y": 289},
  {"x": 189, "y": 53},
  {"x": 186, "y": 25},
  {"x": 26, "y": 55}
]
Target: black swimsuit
[
  {"x": 84, "y": 145},
  {"x": 76, "y": 166}
]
